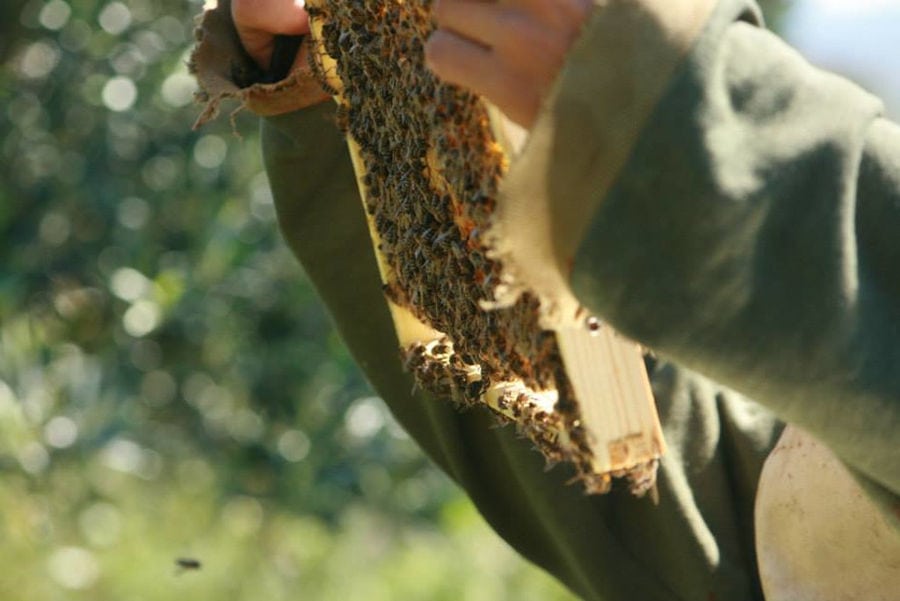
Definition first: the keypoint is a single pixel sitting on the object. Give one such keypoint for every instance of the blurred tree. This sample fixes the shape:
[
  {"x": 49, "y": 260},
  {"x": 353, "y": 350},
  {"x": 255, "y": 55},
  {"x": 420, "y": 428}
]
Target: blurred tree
[
  {"x": 147, "y": 253},
  {"x": 168, "y": 380}
]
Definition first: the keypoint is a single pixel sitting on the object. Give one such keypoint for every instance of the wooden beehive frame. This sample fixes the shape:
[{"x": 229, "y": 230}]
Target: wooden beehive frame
[{"x": 581, "y": 393}]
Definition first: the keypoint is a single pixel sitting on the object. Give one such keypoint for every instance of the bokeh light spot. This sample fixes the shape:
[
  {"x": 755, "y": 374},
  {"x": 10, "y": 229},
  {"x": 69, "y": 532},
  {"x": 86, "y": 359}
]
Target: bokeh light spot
[
  {"x": 151, "y": 45},
  {"x": 158, "y": 388},
  {"x": 38, "y": 60},
  {"x": 129, "y": 284},
  {"x": 262, "y": 204},
  {"x": 119, "y": 94},
  {"x": 412, "y": 494},
  {"x": 73, "y": 568},
  {"x": 33, "y": 458},
  {"x": 246, "y": 426},
  {"x": 243, "y": 516},
  {"x": 55, "y": 14},
  {"x": 178, "y": 89},
  {"x": 144, "y": 10},
  {"x": 171, "y": 29},
  {"x": 133, "y": 213},
  {"x": 210, "y": 151},
  {"x": 26, "y": 112},
  {"x": 365, "y": 417},
  {"x": 55, "y": 228},
  {"x": 41, "y": 161},
  {"x": 76, "y": 36},
  {"x": 160, "y": 173},
  {"x": 61, "y": 432},
  {"x": 294, "y": 445},
  {"x": 8, "y": 402},
  {"x": 146, "y": 355},
  {"x": 100, "y": 524},
  {"x": 128, "y": 59},
  {"x": 92, "y": 88},
  {"x": 194, "y": 387},
  {"x": 141, "y": 318},
  {"x": 115, "y": 18},
  {"x": 123, "y": 455}
]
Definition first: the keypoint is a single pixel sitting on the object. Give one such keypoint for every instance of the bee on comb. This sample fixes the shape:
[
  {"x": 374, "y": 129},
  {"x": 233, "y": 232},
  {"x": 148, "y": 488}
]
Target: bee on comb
[{"x": 430, "y": 164}]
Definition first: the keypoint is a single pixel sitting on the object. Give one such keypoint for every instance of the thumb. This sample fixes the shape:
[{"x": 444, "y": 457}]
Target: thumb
[{"x": 259, "y": 21}]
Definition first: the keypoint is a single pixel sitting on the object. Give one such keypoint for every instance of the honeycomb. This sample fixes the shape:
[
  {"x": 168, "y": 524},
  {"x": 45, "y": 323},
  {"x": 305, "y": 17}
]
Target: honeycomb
[{"x": 431, "y": 168}]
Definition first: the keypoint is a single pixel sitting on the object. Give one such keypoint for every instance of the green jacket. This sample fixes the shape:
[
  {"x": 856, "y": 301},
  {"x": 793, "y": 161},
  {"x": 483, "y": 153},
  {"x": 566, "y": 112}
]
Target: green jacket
[{"x": 742, "y": 211}]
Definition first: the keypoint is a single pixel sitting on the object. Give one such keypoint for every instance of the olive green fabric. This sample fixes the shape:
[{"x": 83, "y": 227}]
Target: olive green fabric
[
  {"x": 696, "y": 543},
  {"x": 754, "y": 235},
  {"x": 733, "y": 238},
  {"x": 613, "y": 76}
]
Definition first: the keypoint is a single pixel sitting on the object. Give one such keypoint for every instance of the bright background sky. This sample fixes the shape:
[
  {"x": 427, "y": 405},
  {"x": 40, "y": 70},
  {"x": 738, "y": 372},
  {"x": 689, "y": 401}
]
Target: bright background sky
[{"x": 859, "y": 38}]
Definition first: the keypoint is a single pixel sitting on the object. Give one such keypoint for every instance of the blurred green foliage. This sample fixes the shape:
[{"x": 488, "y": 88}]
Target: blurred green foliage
[{"x": 169, "y": 384}]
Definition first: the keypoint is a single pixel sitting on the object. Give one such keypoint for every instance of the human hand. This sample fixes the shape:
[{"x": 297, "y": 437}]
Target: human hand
[
  {"x": 509, "y": 51},
  {"x": 259, "y": 21}
]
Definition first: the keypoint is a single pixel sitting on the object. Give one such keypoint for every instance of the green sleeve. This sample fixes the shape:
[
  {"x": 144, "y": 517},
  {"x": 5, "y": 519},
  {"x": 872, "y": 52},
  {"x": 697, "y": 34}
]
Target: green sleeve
[
  {"x": 752, "y": 234},
  {"x": 697, "y": 544}
]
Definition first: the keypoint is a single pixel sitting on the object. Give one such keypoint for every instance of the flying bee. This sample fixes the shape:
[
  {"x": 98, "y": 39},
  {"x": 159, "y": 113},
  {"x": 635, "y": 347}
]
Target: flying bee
[{"x": 184, "y": 564}]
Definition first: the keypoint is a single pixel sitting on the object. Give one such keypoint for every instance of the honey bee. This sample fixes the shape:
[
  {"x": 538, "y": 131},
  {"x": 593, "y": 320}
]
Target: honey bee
[
  {"x": 312, "y": 60},
  {"x": 184, "y": 564},
  {"x": 475, "y": 389}
]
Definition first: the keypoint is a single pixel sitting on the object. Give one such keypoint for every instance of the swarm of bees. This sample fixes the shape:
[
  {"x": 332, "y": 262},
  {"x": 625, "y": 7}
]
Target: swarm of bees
[{"x": 432, "y": 171}]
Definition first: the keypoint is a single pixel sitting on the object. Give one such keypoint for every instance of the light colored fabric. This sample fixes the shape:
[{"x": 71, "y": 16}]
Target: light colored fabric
[
  {"x": 611, "y": 83},
  {"x": 218, "y": 56},
  {"x": 819, "y": 537}
]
